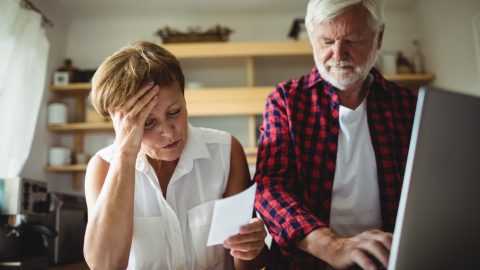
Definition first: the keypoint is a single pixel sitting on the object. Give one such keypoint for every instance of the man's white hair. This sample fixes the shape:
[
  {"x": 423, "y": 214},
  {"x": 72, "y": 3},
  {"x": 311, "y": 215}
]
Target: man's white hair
[{"x": 319, "y": 11}]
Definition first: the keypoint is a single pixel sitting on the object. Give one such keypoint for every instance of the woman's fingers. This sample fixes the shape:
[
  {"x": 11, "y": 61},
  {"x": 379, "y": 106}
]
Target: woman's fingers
[
  {"x": 131, "y": 102},
  {"x": 143, "y": 114},
  {"x": 143, "y": 102},
  {"x": 243, "y": 238},
  {"x": 249, "y": 241},
  {"x": 255, "y": 225},
  {"x": 246, "y": 246},
  {"x": 244, "y": 255}
]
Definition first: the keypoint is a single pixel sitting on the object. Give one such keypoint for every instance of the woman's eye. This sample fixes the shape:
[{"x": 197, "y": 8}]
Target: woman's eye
[
  {"x": 149, "y": 123},
  {"x": 173, "y": 113}
]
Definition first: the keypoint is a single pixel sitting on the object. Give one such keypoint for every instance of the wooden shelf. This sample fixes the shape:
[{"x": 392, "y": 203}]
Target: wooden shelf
[
  {"x": 86, "y": 126},
  {"x": 84, "y": 88},
  {"x": 239, "y": 49},
  {"x": 227, "y": 101},
  {"x": 418, "y": 79},
  {"x": 251, "y": 153},
  {"x": 72, "y": 89},
  {"x": 67, "y": 168}
]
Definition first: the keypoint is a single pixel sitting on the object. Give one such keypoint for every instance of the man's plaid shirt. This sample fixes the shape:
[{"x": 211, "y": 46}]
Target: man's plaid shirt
[{"x": 297, "y": 154}]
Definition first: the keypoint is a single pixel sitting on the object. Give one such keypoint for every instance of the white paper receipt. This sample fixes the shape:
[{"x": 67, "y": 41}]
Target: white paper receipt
[{"x": 230, "y": 214}]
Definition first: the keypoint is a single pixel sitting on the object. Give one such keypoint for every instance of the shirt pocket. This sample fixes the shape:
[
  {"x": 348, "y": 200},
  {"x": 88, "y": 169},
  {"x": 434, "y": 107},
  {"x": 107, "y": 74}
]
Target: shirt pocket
[
  {"x": 149, "y": 244},
  {"x": 199, "y": 220}
]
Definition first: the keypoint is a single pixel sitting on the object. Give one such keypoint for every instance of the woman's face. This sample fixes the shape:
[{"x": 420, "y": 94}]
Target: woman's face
[{"x": 166, "y": 127}]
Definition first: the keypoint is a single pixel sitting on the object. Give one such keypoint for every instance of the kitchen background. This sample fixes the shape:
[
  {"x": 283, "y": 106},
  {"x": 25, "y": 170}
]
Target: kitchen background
[{"x": 87, "y": 31}]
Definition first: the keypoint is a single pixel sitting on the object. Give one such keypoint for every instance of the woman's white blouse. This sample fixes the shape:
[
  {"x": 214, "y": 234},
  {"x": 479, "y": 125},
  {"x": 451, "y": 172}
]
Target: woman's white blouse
[{"x": 171, "y": 232}]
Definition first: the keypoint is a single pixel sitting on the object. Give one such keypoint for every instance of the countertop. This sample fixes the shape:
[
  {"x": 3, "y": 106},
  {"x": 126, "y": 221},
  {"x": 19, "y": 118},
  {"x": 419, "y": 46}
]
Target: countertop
[{"x": 81, "y": 265}]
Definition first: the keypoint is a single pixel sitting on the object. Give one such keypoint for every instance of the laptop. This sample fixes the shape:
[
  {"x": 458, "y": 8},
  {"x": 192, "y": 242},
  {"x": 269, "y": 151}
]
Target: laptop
[{"x": 438, "y": 221}]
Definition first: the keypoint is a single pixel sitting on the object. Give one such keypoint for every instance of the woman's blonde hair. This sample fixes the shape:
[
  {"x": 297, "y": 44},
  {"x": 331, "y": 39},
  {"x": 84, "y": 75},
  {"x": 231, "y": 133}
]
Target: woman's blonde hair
[{"x": 128, "y": 70}]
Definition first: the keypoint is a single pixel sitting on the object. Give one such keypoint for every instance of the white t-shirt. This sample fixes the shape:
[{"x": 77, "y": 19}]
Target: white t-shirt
[
  {"x": 355, "y": 204},
  {"x": 171, "y": 232}
]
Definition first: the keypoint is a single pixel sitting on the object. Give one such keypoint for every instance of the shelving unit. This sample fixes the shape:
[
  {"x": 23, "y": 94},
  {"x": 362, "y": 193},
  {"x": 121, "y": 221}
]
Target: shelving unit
[{"x": 248, "y": 100}]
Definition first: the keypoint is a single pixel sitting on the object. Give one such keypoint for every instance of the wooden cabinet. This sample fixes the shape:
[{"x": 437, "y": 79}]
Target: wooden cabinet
[{"x": 247, "y": 100}]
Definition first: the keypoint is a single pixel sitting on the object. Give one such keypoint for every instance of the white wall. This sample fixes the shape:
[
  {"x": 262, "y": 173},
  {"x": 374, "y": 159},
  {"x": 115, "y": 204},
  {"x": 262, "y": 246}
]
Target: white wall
[
  {"x": 446, "y": 35},
  {"x": 400, "y": 31},
  {"x": 92, "y": 40}
]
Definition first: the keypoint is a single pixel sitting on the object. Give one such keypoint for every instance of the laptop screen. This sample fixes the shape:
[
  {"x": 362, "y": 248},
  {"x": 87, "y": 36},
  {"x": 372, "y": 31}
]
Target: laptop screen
[{"x": 438, "y": 221}]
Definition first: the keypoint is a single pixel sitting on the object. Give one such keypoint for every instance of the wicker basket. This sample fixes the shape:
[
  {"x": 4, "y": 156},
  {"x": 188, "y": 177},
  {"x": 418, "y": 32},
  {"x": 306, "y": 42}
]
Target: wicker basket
[{"x": 216, "y": 33}]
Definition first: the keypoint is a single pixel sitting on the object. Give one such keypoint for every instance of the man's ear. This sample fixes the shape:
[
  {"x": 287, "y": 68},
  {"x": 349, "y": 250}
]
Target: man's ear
[{"x": 380, "y": 37}]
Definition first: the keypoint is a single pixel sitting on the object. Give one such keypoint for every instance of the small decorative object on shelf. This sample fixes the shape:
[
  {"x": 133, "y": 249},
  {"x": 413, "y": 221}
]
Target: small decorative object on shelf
[
  {"x": 86, "y": 75},
  {"x": 417, "y": 58},
  {"x": 60, "y": 78},
  {"x": 69, "y": 74},
  {"x": 66, "y": 74},
  {"x": 194, "y": 34},
  {"x": 298, "y": 30},
  {"x": 81, "y": 158},
  {"x": 403, "y": 65}
]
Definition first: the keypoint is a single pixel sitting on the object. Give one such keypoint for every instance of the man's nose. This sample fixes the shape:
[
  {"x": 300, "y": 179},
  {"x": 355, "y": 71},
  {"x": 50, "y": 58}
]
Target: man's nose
[{"x": 338, "y": 51}]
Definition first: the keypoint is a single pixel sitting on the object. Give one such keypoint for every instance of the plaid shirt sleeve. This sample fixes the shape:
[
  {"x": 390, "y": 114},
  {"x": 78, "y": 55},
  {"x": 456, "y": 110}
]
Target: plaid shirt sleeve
[{"x": 287, "y": 219}]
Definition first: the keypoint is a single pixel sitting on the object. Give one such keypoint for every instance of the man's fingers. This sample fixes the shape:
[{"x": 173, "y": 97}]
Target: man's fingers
[
  {"x": 384, "y": 238},
  {"x": 360, "y": 258},
  {"x": 377, "y": 251}
]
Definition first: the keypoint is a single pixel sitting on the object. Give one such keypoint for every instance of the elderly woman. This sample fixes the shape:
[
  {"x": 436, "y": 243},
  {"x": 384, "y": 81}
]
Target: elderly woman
[{"x": 150, "y": 194}]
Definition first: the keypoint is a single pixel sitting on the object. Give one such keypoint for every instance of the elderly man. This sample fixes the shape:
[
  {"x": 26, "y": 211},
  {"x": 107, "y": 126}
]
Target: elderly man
[{"x": 333, "y": 147}]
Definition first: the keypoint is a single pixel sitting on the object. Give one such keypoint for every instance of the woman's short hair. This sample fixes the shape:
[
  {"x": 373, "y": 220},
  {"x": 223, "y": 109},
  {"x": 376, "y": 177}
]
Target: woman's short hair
[
  {"x": 129, "y": 69},
  {"x": 319, "y": 11}
]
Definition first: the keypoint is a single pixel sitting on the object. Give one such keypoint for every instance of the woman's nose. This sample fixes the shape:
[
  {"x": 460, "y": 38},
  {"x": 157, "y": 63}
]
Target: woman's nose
[{"x": 166, "y": 129}]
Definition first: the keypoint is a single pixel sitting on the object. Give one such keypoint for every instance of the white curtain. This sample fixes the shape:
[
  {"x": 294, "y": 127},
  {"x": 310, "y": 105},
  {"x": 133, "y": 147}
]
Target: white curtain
[{"x": 23, "y": 61}]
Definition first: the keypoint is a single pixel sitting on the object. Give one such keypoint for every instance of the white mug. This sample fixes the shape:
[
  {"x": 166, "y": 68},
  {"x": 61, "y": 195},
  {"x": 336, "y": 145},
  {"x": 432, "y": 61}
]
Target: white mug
[
  {"x": 389, "y": 64},
  {"x": 57, "y": 113},
  {"x": 58, "y": 156}
]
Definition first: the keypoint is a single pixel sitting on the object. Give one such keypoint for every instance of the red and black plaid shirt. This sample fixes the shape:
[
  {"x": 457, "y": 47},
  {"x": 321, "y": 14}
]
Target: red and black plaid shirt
[{"x": 298, "y": 150}]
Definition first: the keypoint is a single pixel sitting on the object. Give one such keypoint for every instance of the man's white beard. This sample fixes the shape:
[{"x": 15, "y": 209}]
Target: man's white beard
[{"x": 343, "y": 79}]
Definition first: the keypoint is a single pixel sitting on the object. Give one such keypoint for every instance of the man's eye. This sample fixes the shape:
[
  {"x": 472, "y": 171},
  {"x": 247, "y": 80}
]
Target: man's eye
[
  {"x": 352, "y": 42},
  {"x": 328, "y": 42},
  {"x": 149, "y": 123}
]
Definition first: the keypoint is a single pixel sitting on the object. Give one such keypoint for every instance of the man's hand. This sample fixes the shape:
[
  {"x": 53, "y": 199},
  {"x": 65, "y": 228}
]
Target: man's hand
[
  {"x": 362, "y": 250},
  {"x": 249, "y": 242}
]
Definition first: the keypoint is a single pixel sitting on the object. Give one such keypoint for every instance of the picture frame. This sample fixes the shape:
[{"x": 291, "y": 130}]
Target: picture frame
[{"x": 60, "y": 78}]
